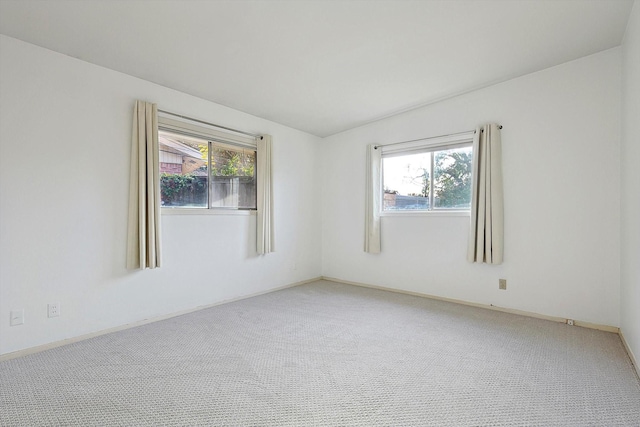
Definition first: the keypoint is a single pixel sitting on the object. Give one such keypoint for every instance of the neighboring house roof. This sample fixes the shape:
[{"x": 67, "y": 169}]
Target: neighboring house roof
[
  {"x": 180, "y": 147},
  {"x": 191, "y": 158}
]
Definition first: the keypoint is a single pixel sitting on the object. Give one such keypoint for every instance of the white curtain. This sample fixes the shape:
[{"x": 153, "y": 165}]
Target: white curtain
[
  {"x": 264, "y": 228},
  {"x": 143, "y": 247},
  {"x": 373, "y": 200},
  {"x": 486, "y": 233}
]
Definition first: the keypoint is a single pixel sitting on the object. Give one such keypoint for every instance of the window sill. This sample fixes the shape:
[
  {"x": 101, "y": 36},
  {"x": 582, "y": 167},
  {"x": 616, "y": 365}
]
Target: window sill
[
  {"x": 203, "y": 211},
  {"x": 425, "y": 213}
]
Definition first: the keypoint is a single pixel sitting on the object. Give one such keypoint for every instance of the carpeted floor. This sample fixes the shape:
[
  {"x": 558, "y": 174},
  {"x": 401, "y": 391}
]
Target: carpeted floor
[{"x": 327, "y": 354}]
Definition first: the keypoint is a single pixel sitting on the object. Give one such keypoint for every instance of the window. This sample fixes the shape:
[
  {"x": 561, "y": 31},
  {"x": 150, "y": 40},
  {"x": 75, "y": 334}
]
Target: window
[
  {"x": 427, "y": 177},
  {"x": 205, "y": 168}
]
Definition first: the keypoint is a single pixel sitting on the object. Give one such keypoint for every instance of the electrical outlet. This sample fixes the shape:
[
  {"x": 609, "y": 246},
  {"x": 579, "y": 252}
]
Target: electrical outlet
[
  {"x": 502, "y": 284},
  {"x": 17, "y": 317},
  {"x": 570, "y": 322},
  {"x": 53, "y": 309}
]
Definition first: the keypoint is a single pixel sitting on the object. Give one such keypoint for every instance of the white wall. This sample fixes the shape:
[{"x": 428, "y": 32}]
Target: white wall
[
  {"x": 630, "y": 194},
  {"x": 65, "y": 129},
  {"x": 561, "y": 148}
]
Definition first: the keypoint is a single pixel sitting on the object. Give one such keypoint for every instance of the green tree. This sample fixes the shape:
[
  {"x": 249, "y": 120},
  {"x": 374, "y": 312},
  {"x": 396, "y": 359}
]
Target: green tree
[
  {"x": 230, "y": 168},
  {"x": 452, "y": 178},
  {"x": 232, "y": 163}
]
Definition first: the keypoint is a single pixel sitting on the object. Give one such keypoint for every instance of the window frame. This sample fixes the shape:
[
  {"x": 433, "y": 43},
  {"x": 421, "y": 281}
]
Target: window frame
[
  {"x": 432, "y": 146},
  {"x": 211, "y": 135}
]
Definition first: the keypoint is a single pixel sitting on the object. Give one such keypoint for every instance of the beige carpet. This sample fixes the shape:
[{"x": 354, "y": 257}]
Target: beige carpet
[{"x": 327, "y": 354}]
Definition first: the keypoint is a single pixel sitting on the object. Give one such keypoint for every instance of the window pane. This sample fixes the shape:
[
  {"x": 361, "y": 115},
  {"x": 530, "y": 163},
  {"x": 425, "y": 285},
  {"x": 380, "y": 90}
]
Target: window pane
[
  {"x": 183, "y": 171},
  {"x": 452, "y": 178},
  {"x": 233, "y": 182},
  {"x": 406, "y": 182}
]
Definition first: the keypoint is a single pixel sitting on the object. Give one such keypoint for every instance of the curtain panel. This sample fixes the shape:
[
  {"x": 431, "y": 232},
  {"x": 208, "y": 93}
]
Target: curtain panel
[
  {"x": 264, "y": 227},
  {"x": 486, "y": 232},
  {"x": 373, "y": 200},
  {"x": 143, "y": 246}
]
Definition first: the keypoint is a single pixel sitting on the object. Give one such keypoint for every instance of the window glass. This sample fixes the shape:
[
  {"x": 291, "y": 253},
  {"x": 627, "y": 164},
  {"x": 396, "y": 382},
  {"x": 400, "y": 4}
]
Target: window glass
[
  {"x": 430, "y": 180},
  {"x": 452, "y": 178},
  {"x": 407, "y": 181},
  {"x": 199, "y": 173},
  {"x": 184, "y": 171},
  {"x": 233, "y": 182}
]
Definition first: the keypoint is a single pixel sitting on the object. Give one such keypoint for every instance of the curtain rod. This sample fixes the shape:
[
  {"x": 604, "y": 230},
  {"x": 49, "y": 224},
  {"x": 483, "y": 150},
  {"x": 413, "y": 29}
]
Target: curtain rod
[
  {"x": 210, "y": 124},
  {"x": 429, "y": 137}
]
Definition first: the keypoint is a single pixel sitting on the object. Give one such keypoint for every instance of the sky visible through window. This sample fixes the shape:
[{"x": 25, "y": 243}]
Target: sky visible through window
[{"x": 404, "y": 174}]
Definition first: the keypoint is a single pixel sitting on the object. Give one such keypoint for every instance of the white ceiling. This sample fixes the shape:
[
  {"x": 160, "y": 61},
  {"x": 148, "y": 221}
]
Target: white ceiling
[{"x": 321, "y": 66}]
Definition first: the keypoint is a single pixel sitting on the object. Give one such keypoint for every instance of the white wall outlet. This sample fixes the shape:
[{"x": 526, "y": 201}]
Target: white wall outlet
[
  {"x": 570, "y": 322},
  {"x": 17, "y": 317},
  {"x": 53, "y": 309},
  {"x": 502, "y": 284}
]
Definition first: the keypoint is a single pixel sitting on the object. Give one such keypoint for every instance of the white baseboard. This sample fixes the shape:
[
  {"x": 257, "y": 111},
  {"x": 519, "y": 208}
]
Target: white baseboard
[
  {"x": 589, "y": 325},
  {"x": 634, "y": 361},
  {"x": 48, "y": 346}
]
